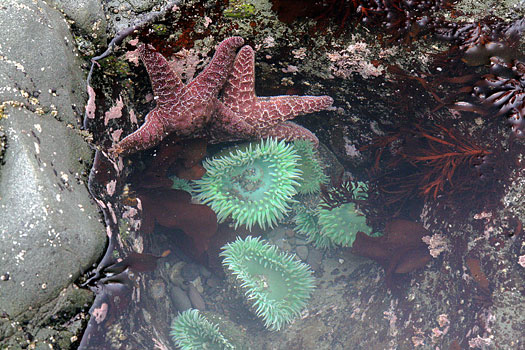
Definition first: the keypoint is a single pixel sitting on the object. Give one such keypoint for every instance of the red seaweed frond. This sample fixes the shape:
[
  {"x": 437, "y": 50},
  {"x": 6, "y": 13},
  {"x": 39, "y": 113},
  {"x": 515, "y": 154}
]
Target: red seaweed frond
[
  {"x": 445, "y": 152},
  {"x": 425, "y": 162}
]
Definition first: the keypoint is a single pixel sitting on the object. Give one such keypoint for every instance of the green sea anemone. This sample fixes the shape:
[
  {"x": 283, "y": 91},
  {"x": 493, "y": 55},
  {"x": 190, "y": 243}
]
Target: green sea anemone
[
  {"x": 312, "y": 172},
  {"x": 254, "y": 185},
  {"x": 276, "y": 286},
  {"x": 191, "y": 331},
  {"x": 181, "y": 184},
  {"x": 341, "y": 224},
  {"x": 307, "y": 223}
]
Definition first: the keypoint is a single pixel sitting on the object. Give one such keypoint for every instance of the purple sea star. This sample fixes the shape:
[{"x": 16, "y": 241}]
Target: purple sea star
[
  {"x": 243, "y": 115},
  {"x": 194, "y": 110},
  {"x": 181, "y": 109}
]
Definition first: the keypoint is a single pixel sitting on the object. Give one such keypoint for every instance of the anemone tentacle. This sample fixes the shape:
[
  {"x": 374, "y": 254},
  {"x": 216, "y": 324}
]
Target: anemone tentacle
[
  {"x": 275, "y": 284},
  {"x": 307, "y": 223},
  {"x": 191, "y": 331},
  {"x": 313, "y": 175},
  {"x": 254, "y": 185},
  {"x": 341, "y": 224}
]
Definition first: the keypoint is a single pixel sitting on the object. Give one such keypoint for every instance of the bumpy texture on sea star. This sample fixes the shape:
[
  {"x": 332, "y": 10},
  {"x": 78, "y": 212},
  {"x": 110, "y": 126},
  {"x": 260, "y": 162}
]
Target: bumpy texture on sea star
[
  {"x": 183, "y": 109},
  {"x": 193, "y": 110},
  {"x": 243, "y": 115}
]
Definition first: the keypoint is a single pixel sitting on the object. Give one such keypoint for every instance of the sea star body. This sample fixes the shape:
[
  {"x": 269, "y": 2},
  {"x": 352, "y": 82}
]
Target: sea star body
[
  {"x": 243, "y": 115},
  {"x": 181, "y": 109},
  {"x": 194, "y": 110}
]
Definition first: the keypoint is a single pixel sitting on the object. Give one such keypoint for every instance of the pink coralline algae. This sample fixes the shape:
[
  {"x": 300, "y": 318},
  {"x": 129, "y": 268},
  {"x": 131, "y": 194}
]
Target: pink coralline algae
[
  {"x": 521, "y": 260},
  {"x": 354, "y": 59},
  {"x": 194, "y": 110},
  {"x": 436, "y": 244}
]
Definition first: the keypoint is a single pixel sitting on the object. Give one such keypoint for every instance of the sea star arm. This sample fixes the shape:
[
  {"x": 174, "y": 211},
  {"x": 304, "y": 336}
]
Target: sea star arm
[
  {"x": 182, "y": 109},
  {"x": 263, "y": 112},
  {"x": 166, "y": 85},
  {"x": 229, "y": 122},
  {"x": 208, "y": 83},
  {"x": 148, "y": 135},
  {"x": 273, "y": 110},
  {"x": 290, "y": 131},
  {"x": 239, "y": 89}
]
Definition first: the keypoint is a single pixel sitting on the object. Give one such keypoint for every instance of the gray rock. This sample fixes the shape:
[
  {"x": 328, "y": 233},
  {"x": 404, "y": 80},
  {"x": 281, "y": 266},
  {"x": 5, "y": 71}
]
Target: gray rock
[
  {"x": 190, "y": 271},
  {"x": 205, "y": 272},
  {"x": 87, "y": 15},
  {"x": 180, "y": 299},
  {"x": 50, "y": 229},
  {"x": 121, "y": 14},
  {"x": 302, "y": 252},
  {"x": 314, "y": 259},
  {"x": 39, "y": 66},
  {"x": 196, "y": 298}
]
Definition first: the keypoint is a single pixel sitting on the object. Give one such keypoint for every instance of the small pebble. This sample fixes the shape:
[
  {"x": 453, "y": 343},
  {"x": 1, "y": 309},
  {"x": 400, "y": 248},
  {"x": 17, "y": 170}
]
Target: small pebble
[
  {"x": 190, "y": 271},
  {"x": 197, "y": 283},
  {"x": 195, "y": 298},
  {"x": 180, "y": 299},
  {"x": 302, "y": 252},
  {"x": 286, "y": 246},
  {"x": 175, "y": 273},
  {"x": 213, "y": 282},
  {"x": 205, "y": 272},
  {"x": 300, "y": 241},
  {"x": 314, "y": 259},
  {"x": 157, "y": 289}
]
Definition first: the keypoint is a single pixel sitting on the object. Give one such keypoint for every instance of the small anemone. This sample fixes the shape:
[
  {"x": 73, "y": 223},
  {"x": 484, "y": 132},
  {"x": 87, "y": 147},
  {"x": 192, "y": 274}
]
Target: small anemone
[
  {"x": 307, "y": 223},
  {"x": 276, "y": 286},
  {"x": 254, "y": 185},
  {"x": 181, "y": 184},
  {"x": 190, "y": 331},
  {"x": 312, "y": 172},
  {"x": 340, "y": 224}
]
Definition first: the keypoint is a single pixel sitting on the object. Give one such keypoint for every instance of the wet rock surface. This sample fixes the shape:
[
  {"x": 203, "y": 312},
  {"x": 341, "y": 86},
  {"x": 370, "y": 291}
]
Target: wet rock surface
[
  {"x": 50, "y": 229},
  {"x": 86, "y": 15}
]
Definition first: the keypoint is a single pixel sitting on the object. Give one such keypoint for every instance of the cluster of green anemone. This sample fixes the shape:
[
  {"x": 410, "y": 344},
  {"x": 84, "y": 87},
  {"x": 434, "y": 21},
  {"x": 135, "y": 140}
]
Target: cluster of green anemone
[
  {"x": 275, "y": 284},
  {"x": 306, "y": 221},
  {"x": 326, "y": 226},
  {"x": 255, "y": 184}
]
